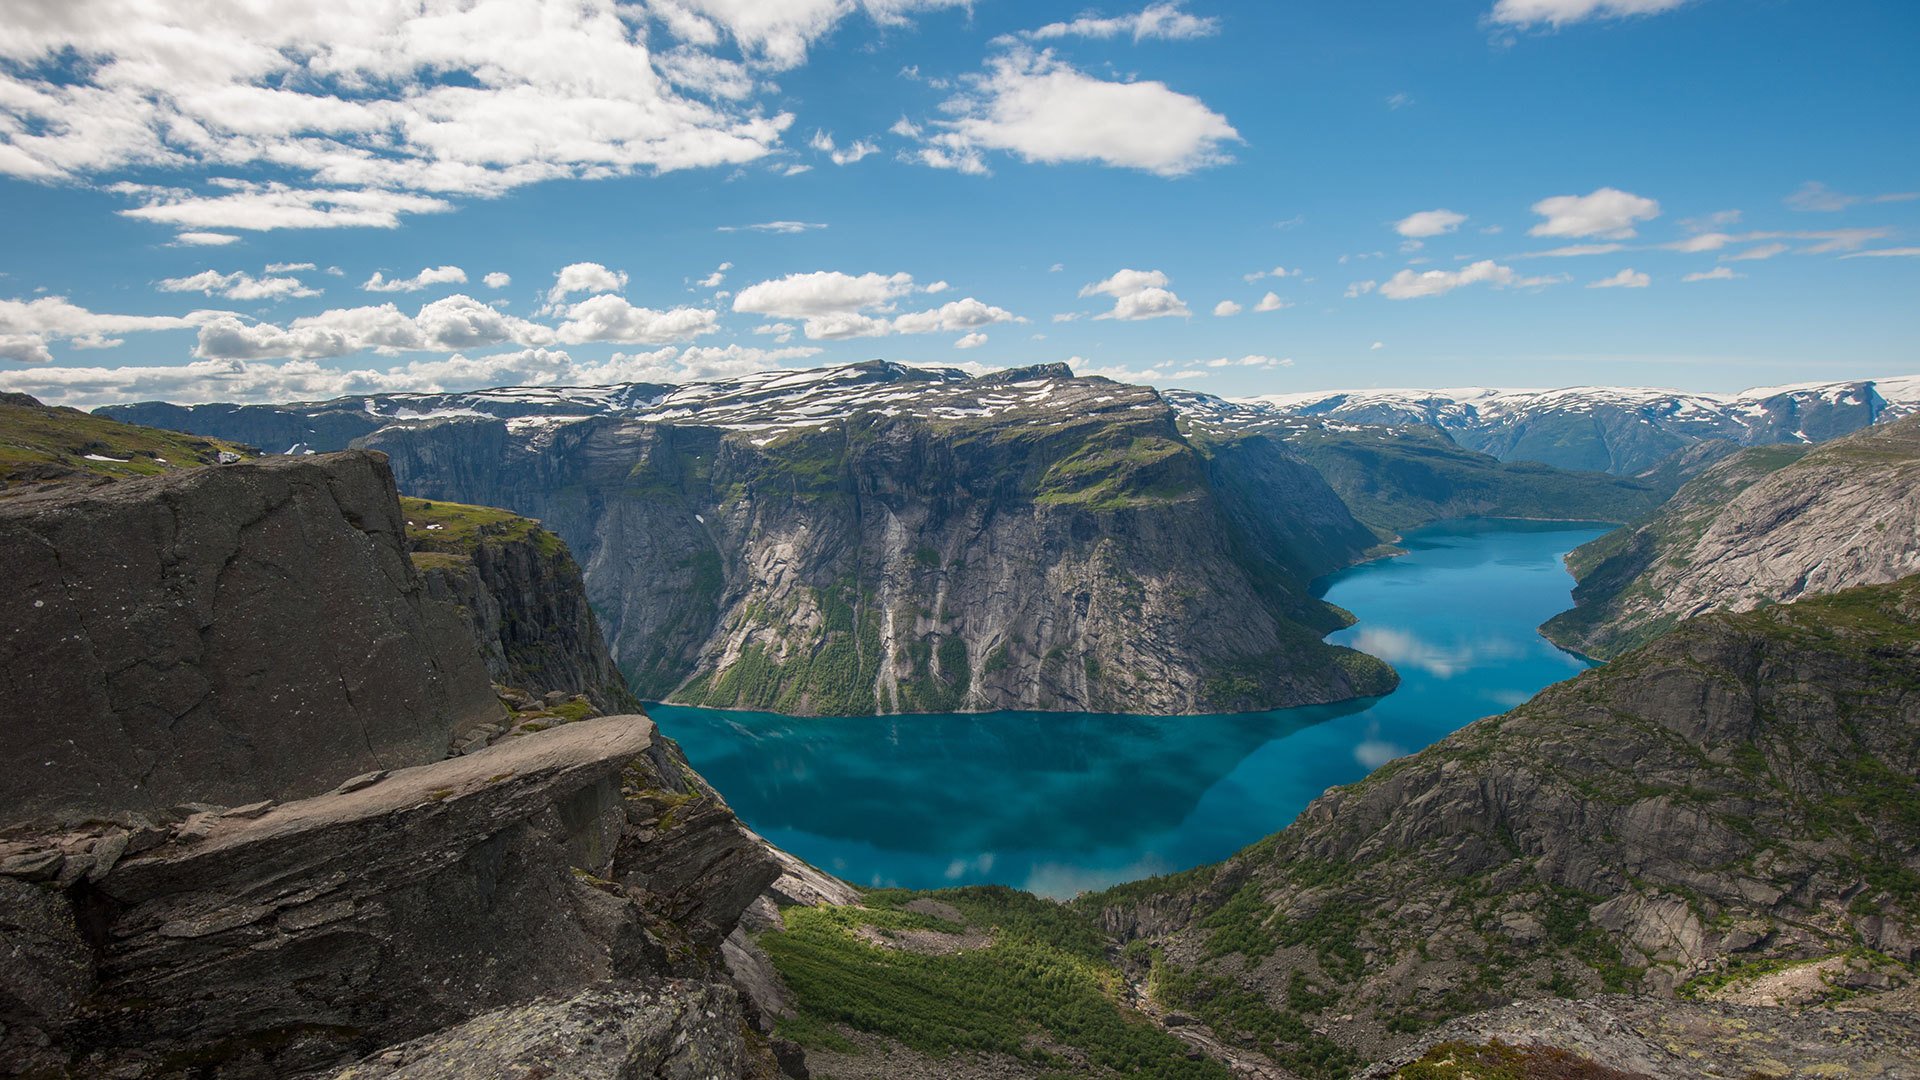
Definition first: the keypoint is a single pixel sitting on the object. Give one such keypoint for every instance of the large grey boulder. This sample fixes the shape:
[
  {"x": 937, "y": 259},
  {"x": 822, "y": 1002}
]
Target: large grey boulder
[{"x": 221, "y": 635}]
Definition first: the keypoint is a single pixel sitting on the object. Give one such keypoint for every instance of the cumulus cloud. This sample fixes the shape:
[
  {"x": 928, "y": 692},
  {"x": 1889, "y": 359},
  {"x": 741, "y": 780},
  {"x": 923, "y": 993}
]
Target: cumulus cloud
[
  {"x": 584, "y": 277},
  {"x": 1625, "y": 279},
  {"x": 1041, "y": 109},
  {"x": 426, "y": 278},
  {"x": 1429, "y": 223},
  {"x": 455, "y": 322},
  {"x": 27, "y": 327},
  {"x": 719, "y": 275},
  {"x": 1137, "y": 294},
  {"x": 497, "y": 280},
  {"x": 1563, "y": 12},
  {"x": 1227, "y": 307},
  {"x": 1718, "y": 273},
  {"x": 971, "y": 341},
  {"x": 388, "y": 107},
  {"x": 241, "y": 285},
  {"x": 1408, "y": 285},
  {"x": 205, "y": 239},
  {"x": 1361, "y": 288},
  {"x": 821, "y": 292},
  {"x": 1276, "y": 272},
  {"x": 1607, "y": 213},
  {"x": 835, "y": 306},
  {"x": 611, "y": 318},
  {"x": 1815, "y": 197},
  {"x": 1272, "y": 302},
  {"x": 1162, "y": 20}
]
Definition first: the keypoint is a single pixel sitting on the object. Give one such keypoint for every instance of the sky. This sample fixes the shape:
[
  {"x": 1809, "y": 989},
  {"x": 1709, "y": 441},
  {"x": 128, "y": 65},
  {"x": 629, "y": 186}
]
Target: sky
[{"x": 272, "y": 200}]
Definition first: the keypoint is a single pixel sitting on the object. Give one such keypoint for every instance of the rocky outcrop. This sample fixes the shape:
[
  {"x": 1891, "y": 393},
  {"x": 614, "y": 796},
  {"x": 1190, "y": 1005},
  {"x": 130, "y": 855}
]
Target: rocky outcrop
[
  {"x": 1766, "y": 526},
  {"x": 1739, "y": 793},
  {"x": 920, "y": 543},
  {"x": 222, "y": 635},
  {"x": 523, "y": 597},
  {"x": 268, "y": 940}
]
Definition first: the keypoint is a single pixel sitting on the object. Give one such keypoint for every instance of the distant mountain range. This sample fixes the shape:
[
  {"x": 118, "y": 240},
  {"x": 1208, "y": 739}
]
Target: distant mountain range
[{"x": 1621, "y": 430}]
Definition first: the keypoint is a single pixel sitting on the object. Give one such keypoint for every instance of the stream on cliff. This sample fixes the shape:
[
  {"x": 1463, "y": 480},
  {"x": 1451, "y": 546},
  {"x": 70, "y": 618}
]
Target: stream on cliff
[{"x": 1062, "y": 802}]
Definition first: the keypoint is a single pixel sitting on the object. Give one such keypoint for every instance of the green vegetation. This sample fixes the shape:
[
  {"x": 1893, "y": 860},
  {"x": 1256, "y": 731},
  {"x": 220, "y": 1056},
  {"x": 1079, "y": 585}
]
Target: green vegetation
[
  {"x": 1119, "y": 467},
  {"x": 831, "y": 674},
  {"x": 1499, "y": 1061},
  {"x": 448, "y": 528},
  {"x": 41, "y": 445},
  {"x": 1040, "y": 991},
  {"x": 1238, "y": 1013}
]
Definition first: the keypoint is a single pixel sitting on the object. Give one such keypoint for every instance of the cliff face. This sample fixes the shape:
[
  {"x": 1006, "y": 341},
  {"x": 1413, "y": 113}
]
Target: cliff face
[
  {"x": 139, "y": 612},
  {"x": 523, "y": 597},
  {"x": 199, "y": 884},
  {"x": 928, "y": 544},
  {"x": 1737, "y": 795},
  {"x": 1769, "y": 525}
]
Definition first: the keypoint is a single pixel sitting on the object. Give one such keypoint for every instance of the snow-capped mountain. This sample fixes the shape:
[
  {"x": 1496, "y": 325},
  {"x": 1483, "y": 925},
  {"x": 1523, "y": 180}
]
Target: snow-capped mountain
[{"x": 1623, "y": 430}]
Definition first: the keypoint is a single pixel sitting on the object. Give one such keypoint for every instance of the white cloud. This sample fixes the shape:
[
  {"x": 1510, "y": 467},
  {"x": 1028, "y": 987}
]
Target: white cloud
[
  {"x": 1756, "y": 254},
  {"x": 971, "y": 341},
  {"x": 1625, "y": 279},
  {"x": 1361, "y": 288},
  {"x": 294, "y": 380},
  {"x": 1044, "y": 110},
  {"x": 1718, "y": 273},
  {"x": 497, "y": 280},
  {"x": 1276, "y": 272},
  {"x": 584, "y": 277},
  {"x": 1399, "y": 100},
  {"x": 426, "y": 278},
  {"x": 289, "y": 267},
  {"x": 1429, "y": 223},
  {"x": 454, "y": 322},
  {"x": 1817, "y": 198},
  {"x": 240, "y": 285},
  {"x": 1137, "y": 294},
  {"x": 205, "y": 239},
  {"x": 954, "y": 315},
  {"x": 1408, "y": 285},
  {"x": 27, "y": 327},
  {"x": 781, "y": 228},
  {"x": 1162, "y": 20},
  {"x": 1249, "y": 361},
  {"x": 387, "y": 107},
  {"x": 821, "y": 292},
  {"x": 1607, "y": 213},
  {"x": 1571, "y": 251},
  {"x": 1377, "y": 346},
  {"x": 1562, "y": 12},
  {"x": 1227, "y": 307},
  {"x": 713, "y": 280},
  {"x": 611, "y": 318},
  {"x": 858, "y": 149},
  {"x": 1885, "y": 253},
  {"x": 1272, "y": 302}
]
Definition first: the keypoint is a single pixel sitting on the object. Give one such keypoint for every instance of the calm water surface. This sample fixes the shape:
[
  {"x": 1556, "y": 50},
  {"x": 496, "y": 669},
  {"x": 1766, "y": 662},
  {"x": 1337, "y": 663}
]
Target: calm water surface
[{"x": 1058, "y": 803}]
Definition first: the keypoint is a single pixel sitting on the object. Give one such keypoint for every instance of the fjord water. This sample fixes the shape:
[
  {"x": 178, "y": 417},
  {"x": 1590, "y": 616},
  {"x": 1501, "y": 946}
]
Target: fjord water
[{"x": 1062, "y": 802}]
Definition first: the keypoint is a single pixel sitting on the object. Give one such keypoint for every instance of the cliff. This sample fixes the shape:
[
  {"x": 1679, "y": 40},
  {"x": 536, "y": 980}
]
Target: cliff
[
  {"x": 1730, "y": 800},
  {"x": 235, "y": 844},
  {"x": 210, "y": 634},
  {"x": 523, "y": 597},
  {"x": 879, "y": 539},
  {"x": 1768, "y": 525}
]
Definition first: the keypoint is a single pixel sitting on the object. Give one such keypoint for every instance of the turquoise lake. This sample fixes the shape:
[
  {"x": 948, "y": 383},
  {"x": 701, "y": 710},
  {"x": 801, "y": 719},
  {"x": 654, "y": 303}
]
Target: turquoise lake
[{"x": 1062, "y": 802}]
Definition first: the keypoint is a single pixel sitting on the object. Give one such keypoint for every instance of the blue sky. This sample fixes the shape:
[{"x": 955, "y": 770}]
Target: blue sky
[{"x": 1446, "y": 185}]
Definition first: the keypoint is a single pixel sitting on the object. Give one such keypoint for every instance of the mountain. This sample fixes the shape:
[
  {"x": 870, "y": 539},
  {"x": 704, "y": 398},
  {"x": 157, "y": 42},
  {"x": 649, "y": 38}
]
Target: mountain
[
  {"x": 1620, "y": 430},
  {"x": 1767, "y": 525},
  {"x": 1740, "y": 795},
  {"x": 1396, "y": 478},
  {"x": 879, "y": 538},
  {"x": 46, "y": 447}
]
